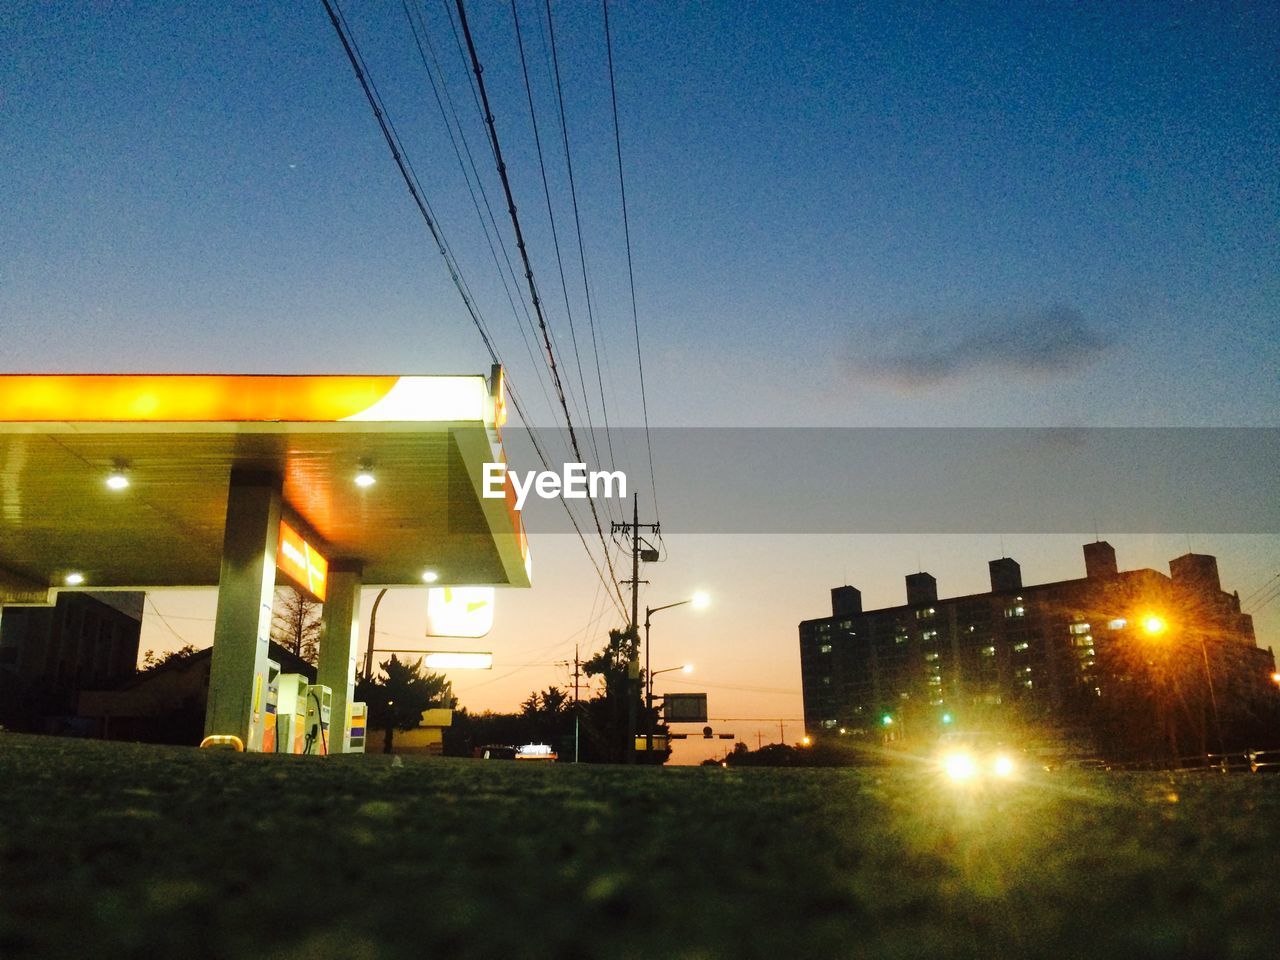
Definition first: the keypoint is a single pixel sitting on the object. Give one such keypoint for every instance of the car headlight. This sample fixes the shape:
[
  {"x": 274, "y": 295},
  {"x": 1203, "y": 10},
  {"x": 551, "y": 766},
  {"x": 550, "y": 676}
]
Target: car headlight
[
  {"x": 960, "y": 767},
  {"x": 1003, "y": 765}
]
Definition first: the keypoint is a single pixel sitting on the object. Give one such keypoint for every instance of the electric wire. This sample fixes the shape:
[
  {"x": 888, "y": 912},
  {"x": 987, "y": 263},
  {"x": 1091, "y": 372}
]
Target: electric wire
[
  {"x": 349, "y": 46},
  {"x": 577, "y": 223},
  {"x": 475, "y": 97},
  {"x": 551, "y": 216},
  {"x": 419, "y": 39},
  {"x": 528, "y": 268},
  {"x": 631, "y": 276}
]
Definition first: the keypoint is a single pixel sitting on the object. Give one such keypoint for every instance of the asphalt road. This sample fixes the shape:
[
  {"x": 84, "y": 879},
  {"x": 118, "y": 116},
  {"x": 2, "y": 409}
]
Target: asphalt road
[{"x": 119, "y": 850}]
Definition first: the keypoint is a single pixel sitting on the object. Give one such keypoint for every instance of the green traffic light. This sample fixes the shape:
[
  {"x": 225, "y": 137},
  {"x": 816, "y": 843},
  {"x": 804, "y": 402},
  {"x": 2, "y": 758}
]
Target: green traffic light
[
  {"x": 886, "y": 720},
  {"x": 946, "y": 718}
]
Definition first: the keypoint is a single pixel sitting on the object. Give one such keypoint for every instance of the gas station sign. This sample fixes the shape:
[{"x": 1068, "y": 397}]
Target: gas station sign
[
  {"x": 301, "y": 562},
  {"x": 459, "y": 611}
]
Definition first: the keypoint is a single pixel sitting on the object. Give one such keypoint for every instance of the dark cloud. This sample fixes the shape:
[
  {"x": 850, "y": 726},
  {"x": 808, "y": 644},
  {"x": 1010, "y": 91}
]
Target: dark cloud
[{"x": 1038, "y": 344}]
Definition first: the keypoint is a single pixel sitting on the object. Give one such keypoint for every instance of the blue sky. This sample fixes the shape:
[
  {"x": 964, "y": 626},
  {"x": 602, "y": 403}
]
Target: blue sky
[{"x": 871, "y": 214}]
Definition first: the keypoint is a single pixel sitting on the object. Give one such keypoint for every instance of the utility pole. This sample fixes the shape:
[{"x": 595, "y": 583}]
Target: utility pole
[
  {"x": 632, "y": 530},
  {"x": 577, "y": 710}
]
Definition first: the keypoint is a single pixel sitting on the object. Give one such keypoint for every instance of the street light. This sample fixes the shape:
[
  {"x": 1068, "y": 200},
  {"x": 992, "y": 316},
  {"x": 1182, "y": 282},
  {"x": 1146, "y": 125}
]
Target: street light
[
  {"x": 700, "y": 600},
  {"x": 1155, "y": 625},
  {"x": 685, "y": 668}
]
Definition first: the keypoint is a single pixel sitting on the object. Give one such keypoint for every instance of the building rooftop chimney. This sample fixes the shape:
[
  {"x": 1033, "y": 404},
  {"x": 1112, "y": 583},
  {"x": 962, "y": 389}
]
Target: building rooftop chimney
[
  {"x": 921, "y": 588},
  {"x": 1099, "y": 560},
  {"x": 846, "y": 601},
  {"x": 1196, "y": 570},
  {"x": 1006, "y": 575}
]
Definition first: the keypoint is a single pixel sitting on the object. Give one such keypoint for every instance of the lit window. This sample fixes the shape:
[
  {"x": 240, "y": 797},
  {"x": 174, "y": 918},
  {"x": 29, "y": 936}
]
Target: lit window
[
  {"x": 988, "y": 651},
  {"x": 1018, "y": 611},
  {"x": 1082, "y": 627},
  {"x": 1026, "y": 683},
  {"x": 1020, "y": 646},
  {"x": 1085, "y": 641},
  {"x": 931, "y": 656},
  {"x": 825, "y": 648},
  {"x": 828, "y": 724},
  {"x": 846, "y": 624},
  {"x": 1117, "y": 624},
  {"x": 926, "y": 613},
  {"x": 826, "y": 680},
  {"x": 900, "y": 638},
  {"x": 930, "y": 635}
]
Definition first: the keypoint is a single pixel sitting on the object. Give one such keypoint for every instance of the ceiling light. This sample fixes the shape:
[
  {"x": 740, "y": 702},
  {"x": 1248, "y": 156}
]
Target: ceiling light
[
  {"x": 365, "y": 478},
  {"x": 74, "y": 579},
  {"x": 430, "y": 576},
  {"x": 117, "y": 479}
]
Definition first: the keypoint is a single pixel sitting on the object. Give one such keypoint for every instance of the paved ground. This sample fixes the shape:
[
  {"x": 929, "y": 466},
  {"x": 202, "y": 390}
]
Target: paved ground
[{"x": 119, "y": 850}]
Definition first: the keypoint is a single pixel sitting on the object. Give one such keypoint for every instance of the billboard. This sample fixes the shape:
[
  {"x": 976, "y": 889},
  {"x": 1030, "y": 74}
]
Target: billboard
[{"x": 684, "y": 708}]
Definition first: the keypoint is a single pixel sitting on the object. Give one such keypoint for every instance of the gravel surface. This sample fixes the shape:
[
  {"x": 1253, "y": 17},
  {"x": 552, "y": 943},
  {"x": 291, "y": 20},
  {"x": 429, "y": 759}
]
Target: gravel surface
[{"x": 123, "y": 850}]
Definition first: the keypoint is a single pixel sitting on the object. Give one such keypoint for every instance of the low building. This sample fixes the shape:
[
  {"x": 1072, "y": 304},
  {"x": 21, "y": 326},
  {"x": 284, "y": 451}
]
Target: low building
[
  {"x": 49, "y": 654},
  {"x": 1130, "y": 663},
  {"x": 165, "y": 704}
]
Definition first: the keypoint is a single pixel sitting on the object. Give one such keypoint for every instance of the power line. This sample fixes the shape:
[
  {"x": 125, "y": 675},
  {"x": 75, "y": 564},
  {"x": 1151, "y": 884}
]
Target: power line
[
  {"x": 555, "y": 234},
  {"x": 528, "y": 270},
  {"x": 577, "y": 223},
  {"x": 411, "y": 182},
  {"x": 631, "y": 276},
  {"x": 410, "y": 13}
]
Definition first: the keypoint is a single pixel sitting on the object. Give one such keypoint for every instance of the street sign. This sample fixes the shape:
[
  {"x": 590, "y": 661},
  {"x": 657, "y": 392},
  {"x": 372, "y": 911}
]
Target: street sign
[{"x": 685, "y": 708}]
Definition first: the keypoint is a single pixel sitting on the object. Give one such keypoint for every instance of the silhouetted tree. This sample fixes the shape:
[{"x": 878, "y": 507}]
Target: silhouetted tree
[
  {"x": 605, "y": 716},
  {"x": 150, "y": 661},
  {"x": 397, "y": 699},
  {"x": 295, "y": 623}
]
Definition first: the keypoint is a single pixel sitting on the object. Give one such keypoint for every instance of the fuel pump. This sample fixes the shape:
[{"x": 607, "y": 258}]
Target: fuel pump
[
  {"x": 291, "y": 713},
  {"x": 270, "y": 719},
  {"x": 357, "y": 727},
  {"x": 319, "y": 705}
]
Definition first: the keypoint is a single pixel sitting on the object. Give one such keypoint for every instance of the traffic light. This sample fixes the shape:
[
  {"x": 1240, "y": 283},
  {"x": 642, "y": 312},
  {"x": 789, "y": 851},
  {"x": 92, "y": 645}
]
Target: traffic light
[
  {"x": 887, "y": 720},
  {"x": 947, "y": 718}
]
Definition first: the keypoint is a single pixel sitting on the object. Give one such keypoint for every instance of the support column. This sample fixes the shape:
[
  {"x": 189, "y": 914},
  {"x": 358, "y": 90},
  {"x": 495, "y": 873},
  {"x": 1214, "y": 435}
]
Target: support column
[
  {"x": 339, "y": 640},
  {"x": 246, "y": 589}
]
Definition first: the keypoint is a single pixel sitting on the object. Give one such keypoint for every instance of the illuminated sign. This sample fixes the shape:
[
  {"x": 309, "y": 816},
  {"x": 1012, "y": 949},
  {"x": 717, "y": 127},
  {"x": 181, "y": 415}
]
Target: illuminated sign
[
  {"x": 301, "y": 562},
  {"x": 459, "y": 611},
  {"x": 213, "y": 398},
  {"x": 458, "y": 660}
]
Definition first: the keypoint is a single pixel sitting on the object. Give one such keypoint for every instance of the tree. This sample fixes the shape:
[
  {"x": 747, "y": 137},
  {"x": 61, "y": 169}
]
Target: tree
[
  {"x": 152, "y": 662},
  {"x": 606, "y": 714},
  {"x": 546, "y": 714},
  {"x": 397, "y": 699},
  {"x": 296, "y": 624}
]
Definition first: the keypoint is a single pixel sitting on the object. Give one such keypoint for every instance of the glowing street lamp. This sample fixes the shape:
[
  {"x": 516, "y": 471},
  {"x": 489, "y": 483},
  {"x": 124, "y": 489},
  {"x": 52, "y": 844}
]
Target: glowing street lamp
[{"x": 1154, "y": 625}]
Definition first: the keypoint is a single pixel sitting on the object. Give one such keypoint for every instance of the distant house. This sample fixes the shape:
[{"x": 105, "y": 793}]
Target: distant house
[{"x": 167, "y": 703}]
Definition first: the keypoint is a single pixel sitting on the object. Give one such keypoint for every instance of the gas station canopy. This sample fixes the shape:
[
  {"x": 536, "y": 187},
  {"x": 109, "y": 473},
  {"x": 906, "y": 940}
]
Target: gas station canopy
[{"x": 177, "y": 439}]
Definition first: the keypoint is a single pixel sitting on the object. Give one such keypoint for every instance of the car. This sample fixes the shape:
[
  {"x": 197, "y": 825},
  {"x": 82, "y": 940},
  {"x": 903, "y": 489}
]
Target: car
[
  {"x": 536, "y": 751},
  {"x": 1264, "y": 761},
  {"x": 976, "y": 757},
  {"x": 495, "y": 751}
]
